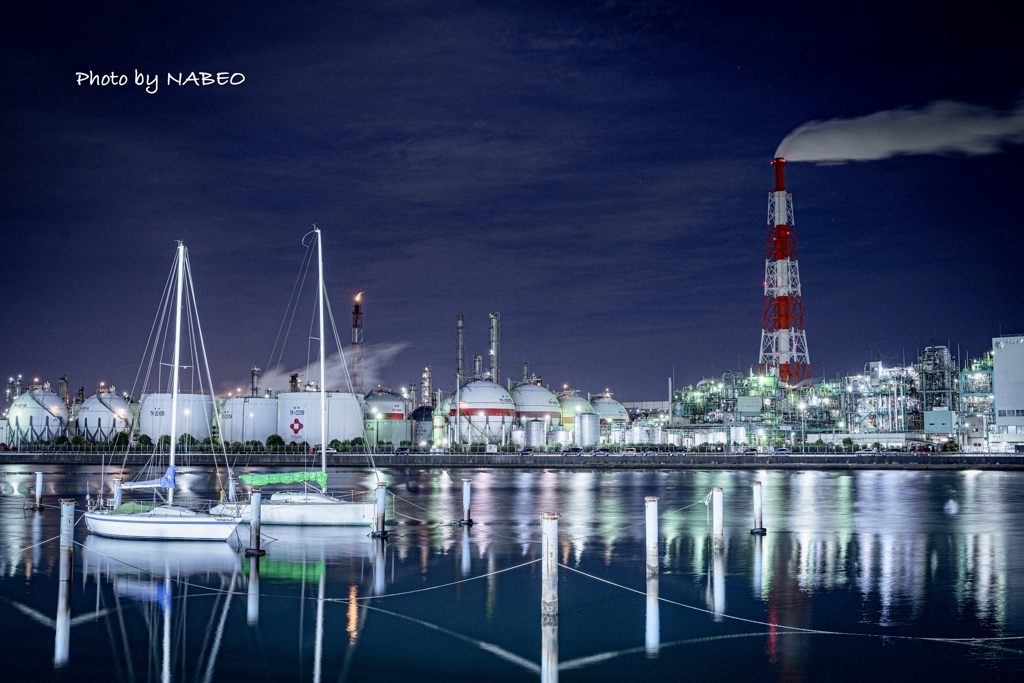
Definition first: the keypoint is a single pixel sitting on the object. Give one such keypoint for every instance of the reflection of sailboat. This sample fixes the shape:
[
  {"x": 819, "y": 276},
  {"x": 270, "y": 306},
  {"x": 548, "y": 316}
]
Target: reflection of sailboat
[
  {"x": 148, "y": 571},
  {"x": 308, "y": 507},
  {"x": 138, "y": 520}
]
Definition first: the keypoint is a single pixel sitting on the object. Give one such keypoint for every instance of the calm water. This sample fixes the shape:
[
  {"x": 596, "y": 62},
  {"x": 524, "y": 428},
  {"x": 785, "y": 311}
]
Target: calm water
[{"x": 902, "y": 575}]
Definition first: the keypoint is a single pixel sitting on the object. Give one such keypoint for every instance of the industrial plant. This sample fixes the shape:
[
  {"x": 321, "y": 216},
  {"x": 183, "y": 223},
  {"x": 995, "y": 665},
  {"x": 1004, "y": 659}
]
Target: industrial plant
[{"x": 937, "y": 402}]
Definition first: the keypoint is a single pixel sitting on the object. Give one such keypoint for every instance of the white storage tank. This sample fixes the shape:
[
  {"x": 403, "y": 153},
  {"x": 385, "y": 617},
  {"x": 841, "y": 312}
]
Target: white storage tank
[
  {"x": 559, "y": 438},
  {"x": 102, "y": 416},
  {"x": 535, "y": 431},
  {"x": 298, "y": 416},
  {"x": 385, "y": 412},
  {"x": 249, "y": 418},
  {"x": 534, "y": 402},
  {"x": 518, "y": 437},
  {"x": 588, "y": 429},
  {"x": 195, "y": 415},
  {"x": 422, "y": 427},
  {"x": 485, "y": 413},
  {"x": 37, "y": 415}
]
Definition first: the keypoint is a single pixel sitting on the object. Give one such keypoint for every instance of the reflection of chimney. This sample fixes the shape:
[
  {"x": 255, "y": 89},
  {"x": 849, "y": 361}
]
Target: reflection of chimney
[
  {"x": 425, "y": 386},
  {"x": 478, "y": 366},
  {"x": 255, "y": 388},
  {"x": 460, "y": 347},
  {"x": 293, "y": 382},
  {"x": 495, "y": 345}
]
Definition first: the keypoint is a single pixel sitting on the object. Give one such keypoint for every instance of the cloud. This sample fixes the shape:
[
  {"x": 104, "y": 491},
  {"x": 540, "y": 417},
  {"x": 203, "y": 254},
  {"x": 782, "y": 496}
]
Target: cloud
[
  {"x": 942, "y": 127},
  {"x": 376, "y": 357}
]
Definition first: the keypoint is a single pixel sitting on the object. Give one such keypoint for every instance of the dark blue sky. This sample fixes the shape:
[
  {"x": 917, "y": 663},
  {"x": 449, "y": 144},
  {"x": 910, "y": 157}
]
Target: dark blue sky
[{"x": 597, "y": 172}]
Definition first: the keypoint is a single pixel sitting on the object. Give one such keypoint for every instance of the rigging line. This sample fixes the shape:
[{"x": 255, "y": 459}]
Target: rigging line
[
  {"x": 153, "y": 330},
  {"x": 796, "y": 629},
  {"x": 209, "y": 378},
  {"x": 293, "y": 307},
  {"x": 431, "y": 588},
  {"x": 348, "y": 383}
]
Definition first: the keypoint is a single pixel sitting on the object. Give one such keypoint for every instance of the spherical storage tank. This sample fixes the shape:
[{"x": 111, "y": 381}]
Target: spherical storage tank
[
  {"x": 249, "y": 418},
  {"x": 485, "y": 413},
  {"x": 385, "y": 415},
  {"x": 37, "y": 415},
  {"x": 195, "y": 415},
  {"x": 298, "y": 416},
  {"x": 102, "y": 416},
  {"x": 610, "y": 410},
  {"x": 572, "y": 404},
  {"x": 534, "y": 402}
]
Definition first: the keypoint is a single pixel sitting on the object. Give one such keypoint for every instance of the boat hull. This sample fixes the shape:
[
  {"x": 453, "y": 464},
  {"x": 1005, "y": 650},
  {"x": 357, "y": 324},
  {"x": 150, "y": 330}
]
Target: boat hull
[
  {"x": 304, "y": 509},
  {"x": 174, "y": 524}
]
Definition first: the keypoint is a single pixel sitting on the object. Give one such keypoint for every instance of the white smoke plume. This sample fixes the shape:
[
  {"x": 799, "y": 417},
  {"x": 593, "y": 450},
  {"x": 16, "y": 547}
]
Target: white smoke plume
[
  {"x": 376, "y": 357},
  {"x": 943, "y": 127}
]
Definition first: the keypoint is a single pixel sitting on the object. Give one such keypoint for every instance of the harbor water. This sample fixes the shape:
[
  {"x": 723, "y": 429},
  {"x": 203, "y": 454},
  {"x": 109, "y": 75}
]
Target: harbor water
[{"x": 861, "y": 575}]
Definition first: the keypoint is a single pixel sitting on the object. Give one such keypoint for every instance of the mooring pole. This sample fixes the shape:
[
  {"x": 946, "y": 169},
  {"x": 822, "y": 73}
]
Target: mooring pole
[
  {"x": 718, "y": 583},
  {"x": 465, "y": 552},
  {"x": 652, "y": 632},
  {"x": 651, "y": 509},
  {"x": 255, "y": 508},
  {"x": 758, "y": 551},
  {"x": 549, "y": 565},
  {"x": 758, "y": 526},
  {"x": 231, "y": 489},
  {"x": 382, "y": 492},
  {"x": 252, "y": 605},
  {"x": 467, "y": 495},
  {"x": 716, "y": 517},
  {"x": 549, "y": 598},
  {"x": 117, "y": 491},
  {"x": 62, "y": 625}
]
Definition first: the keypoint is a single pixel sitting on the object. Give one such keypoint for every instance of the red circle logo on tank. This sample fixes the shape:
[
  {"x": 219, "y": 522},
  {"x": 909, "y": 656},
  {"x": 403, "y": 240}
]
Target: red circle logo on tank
[{"x": 296, "y": 426}]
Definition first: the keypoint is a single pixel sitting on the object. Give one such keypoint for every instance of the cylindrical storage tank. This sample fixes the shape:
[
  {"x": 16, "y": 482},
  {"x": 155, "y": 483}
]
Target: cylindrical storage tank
[
  {"x": 195, "y": 415},
  {"x": 298, "y": 416},
  {"x": 535, "y": 430},
  {"x": 559, "y": 438},
  {"x": 102, "y": 416},
  {"x": 617, "y": 434},
  {"x": 249, "y": 418},
  {"x": 485, "y": 413},
  {"x": 588, "y": 429},
  {"x": 422, "y": 427},
  {"x": 37, "y": 415},
  {"x": 517, "y": 436},
  {"x": 572, "y": 404}
]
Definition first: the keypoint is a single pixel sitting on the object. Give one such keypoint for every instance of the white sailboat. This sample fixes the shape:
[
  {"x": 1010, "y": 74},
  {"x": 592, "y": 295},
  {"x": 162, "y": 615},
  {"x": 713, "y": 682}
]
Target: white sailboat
[
  {"x": 307, "y": 507},
  {"x": 167, "y": 521}
]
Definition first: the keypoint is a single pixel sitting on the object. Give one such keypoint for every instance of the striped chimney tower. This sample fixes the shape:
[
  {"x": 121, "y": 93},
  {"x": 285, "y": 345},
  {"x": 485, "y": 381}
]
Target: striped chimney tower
[
  {"x": 357, "y": 344},
  {"x": 783, "y": 337}
]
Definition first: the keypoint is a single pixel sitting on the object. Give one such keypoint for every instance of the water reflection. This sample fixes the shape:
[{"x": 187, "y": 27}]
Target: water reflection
[{"x": 867, "y": 552}]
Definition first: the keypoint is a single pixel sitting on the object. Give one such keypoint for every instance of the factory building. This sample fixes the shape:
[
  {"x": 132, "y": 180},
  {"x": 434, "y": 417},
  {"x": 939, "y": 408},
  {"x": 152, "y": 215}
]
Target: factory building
[{"x": 1008, "y": 390}]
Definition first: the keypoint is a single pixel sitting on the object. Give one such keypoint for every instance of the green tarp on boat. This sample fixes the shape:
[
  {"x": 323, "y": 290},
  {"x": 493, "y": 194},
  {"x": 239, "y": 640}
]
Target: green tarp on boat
[
  {"x": 285, "y": 478},
  {"x": 133, "y": 507}
]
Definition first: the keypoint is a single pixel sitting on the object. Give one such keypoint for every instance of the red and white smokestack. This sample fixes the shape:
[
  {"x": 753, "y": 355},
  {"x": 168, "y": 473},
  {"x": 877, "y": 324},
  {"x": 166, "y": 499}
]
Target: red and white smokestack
[
  {"x": 783, "y": 337},
  {"x": 357, "y": 344}
]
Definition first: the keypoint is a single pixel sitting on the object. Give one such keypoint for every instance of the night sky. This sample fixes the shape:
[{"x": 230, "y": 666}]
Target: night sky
[{"x": 595, "y": 171}]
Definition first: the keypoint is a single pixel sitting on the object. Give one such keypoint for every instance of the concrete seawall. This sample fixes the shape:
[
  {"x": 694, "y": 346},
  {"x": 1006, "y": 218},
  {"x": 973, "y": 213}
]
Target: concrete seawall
[{"x": 729, "y": 461}]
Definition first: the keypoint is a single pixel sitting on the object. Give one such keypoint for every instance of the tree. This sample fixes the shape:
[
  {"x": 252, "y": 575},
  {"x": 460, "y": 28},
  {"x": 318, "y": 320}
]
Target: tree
[
  {"x": 252, "y": 446},
  {"x": 145, "y": 441},
  {"x": 275, "y": 441},
  {"x": 121, "y": 440},
  {"x": 61, "y": 440},
  {"x": 77, "y": 440},
  {"x": 164, "y": 442}
]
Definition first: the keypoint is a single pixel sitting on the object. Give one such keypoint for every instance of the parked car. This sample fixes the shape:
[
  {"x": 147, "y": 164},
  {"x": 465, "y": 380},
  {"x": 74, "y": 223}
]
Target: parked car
[
  {"x": 867, "y": 451},
  {"x": 629, "y": 451},
  {"x": 782, "y": 451},
  {"x": 574, "y": 450},
  {"x": 525, "y": 451},
  {"x": 750, "y": 451},
  {"x": 316, "y": 449},
  {"x": 923, "y": 449},
  {"x": 402, "y": 450},
  {"x": 602, "y": 451}
]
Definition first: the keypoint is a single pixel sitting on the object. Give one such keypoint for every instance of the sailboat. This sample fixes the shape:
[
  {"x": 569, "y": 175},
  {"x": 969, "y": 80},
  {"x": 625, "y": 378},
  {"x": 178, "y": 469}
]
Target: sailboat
[
  {"x": 167, "y": 521},
  {"x": 306, "y": 507}
]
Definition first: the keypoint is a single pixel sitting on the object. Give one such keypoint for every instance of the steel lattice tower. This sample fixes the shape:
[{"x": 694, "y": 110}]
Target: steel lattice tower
[{"x": 783, "y": 337}]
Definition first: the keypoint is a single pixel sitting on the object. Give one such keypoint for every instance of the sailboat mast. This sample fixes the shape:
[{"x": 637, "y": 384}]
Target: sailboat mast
[
  {"x": 175, "y": 363},
  {"x": 320, "y": 302}
]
